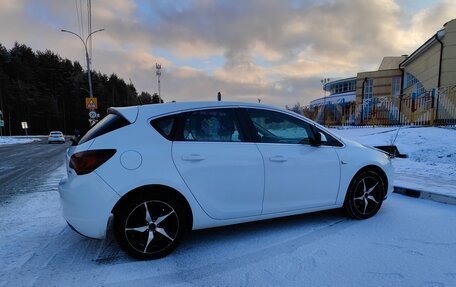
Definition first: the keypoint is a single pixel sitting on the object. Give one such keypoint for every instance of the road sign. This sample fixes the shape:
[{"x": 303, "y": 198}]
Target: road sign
[
  {"x": 91, "y": 103},
  {"x": 24, "y": 125},
  {"x": 2, "y": 123},
  {"x": 92, "y": 114}
]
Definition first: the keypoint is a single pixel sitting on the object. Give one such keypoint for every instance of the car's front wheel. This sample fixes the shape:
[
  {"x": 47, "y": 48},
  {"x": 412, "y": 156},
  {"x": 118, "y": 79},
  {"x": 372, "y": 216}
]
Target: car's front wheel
[
  {"x": 365, "y": 195},
  {"x": 150, "y": 226}
]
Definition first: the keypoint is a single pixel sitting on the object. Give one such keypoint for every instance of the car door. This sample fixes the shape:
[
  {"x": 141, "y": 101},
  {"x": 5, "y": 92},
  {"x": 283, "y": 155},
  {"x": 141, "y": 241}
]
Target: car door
[
  {"x": 223, "y": 171},
  {"x": 297, "y": 174}
]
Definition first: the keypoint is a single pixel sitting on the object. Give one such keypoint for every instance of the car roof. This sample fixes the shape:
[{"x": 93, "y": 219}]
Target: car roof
[
  {"x": 131, "y": 113},
  {"x": 55, "y": 132}
]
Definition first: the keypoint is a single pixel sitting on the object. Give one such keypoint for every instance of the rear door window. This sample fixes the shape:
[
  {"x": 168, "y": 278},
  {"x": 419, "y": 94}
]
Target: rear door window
[{"x": 211, "y": 125}]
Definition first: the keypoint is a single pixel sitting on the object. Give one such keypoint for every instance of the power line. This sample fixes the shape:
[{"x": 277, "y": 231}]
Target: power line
[
  {"x": 82, "y": 19},
  {"x": 89, "y": 25},
  {"x": 78, "y": 16}
]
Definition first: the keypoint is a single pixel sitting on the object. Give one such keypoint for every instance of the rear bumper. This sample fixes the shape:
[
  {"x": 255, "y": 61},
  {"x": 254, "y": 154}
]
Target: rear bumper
[
  {"x": 87, "y": 202},
  {"x": 55, "y": 140}
]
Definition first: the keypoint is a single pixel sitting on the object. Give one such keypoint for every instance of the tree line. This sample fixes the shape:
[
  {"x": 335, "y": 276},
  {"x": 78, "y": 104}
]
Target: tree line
[{"x": 48, "y": 92}]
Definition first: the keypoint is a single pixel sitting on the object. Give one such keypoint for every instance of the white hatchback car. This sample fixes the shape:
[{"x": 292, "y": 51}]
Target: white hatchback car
[
  {"x": 159, "y": 171},
  {"x": 56, "y": 137}
]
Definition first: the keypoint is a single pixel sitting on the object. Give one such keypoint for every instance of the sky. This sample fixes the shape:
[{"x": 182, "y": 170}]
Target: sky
[{"x": 273, "y": 50}]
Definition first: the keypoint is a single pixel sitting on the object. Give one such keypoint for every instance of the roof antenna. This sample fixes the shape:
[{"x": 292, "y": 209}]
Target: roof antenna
[
  {"x": 395, "y": 137},
  {"x": 139, "y": 99}
]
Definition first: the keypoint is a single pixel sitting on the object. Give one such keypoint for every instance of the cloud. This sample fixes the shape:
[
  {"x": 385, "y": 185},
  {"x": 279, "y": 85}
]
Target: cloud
[{"x": 275, "y": 50}]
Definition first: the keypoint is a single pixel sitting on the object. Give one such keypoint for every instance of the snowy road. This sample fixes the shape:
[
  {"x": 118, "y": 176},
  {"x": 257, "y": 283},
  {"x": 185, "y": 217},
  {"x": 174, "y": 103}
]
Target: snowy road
[
  {"x": 23, "y": 166},
  {"x": 411, "y": 242}
]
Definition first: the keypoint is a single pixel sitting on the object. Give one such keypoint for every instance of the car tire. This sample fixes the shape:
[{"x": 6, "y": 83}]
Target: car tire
[
  {"x": 365, "y": 195},
  {"x": 150, "y": 225}
]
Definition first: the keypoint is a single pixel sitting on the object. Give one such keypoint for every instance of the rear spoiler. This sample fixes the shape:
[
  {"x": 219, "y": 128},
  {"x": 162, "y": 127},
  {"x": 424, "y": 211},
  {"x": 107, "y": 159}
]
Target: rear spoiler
[
  {"x": 391, "y": 150},
  {"x": 129, "y": 113}
]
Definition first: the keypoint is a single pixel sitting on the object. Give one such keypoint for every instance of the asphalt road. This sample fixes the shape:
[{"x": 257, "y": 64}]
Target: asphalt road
[{"x": 23, "y": 166}]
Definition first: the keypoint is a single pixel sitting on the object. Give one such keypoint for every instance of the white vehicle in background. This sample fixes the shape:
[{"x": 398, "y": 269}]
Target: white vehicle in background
[
  {"x": 56, "y": 137},
  {"x": 159, "y": 171}
]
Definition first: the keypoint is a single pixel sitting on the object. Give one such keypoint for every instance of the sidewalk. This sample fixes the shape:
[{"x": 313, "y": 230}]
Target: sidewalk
[
  {"x": 432, "y": 184},
  {"x": 432, "y": 188}
]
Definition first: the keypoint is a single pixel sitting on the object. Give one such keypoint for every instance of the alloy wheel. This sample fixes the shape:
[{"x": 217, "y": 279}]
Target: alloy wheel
[
  {"x": 367, "y": 195},
  {"x": 151, "y": 227}
]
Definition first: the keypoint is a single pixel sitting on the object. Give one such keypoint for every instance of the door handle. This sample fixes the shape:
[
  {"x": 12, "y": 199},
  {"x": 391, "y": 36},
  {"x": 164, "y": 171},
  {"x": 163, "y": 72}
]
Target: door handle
[
  {"x": 193, "y": 157},
  {"x": 278, "y": 158}
]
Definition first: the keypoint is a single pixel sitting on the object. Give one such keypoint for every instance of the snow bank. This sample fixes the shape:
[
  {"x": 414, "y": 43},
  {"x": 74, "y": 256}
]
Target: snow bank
[
  {"x": 431, "y": 165},
  {"x": 17, "y": 140}
]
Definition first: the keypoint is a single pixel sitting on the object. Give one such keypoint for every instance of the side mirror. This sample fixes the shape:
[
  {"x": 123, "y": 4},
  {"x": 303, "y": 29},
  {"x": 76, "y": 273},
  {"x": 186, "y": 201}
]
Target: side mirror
[
  {"x": 323, "y": 138},
  {"x": 318, "y": 138}
]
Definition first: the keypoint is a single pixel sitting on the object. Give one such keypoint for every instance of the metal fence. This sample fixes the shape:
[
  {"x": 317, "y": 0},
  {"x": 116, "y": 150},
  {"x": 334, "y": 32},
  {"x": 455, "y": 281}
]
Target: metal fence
[{"x": 434, "y": 107}]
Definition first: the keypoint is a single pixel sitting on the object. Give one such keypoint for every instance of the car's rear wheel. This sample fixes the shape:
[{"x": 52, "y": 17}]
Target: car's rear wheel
[
  {"x": 365, "y": 195},
  {"x": 150, "y": 226}
]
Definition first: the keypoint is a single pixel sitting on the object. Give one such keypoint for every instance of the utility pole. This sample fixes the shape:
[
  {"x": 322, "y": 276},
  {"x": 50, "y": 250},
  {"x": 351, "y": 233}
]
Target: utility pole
[{"x": 158, "y": 73}]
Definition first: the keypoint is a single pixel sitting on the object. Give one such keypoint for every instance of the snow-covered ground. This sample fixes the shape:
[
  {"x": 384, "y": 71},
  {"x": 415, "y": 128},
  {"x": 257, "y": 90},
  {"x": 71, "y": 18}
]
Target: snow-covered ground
[
  {"x": 18, "y": 140},
  {"x": 431, "y": 165},
  {"x": 409, "y": 243}
]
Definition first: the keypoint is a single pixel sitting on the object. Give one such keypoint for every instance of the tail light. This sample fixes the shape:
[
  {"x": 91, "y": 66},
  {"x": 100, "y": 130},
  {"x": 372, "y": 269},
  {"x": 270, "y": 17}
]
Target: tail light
[{"x": 85, "y": 162}]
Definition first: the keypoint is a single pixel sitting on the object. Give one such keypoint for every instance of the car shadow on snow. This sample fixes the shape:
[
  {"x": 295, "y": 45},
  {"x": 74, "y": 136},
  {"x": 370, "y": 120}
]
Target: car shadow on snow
[{"x": 232, "y": 239}]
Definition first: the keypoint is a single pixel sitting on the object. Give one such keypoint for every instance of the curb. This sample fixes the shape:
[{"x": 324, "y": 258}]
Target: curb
[{"x": 447, "y": 199}]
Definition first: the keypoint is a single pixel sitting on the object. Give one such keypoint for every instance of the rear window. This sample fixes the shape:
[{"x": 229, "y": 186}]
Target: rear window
[
  {"x": 56, "y": 133},
  {"x": 107, "y": 124}
]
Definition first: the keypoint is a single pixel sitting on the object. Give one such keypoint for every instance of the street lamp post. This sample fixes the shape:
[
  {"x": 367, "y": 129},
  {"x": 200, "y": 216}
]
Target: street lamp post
[{"x": 89, "y": 76}]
